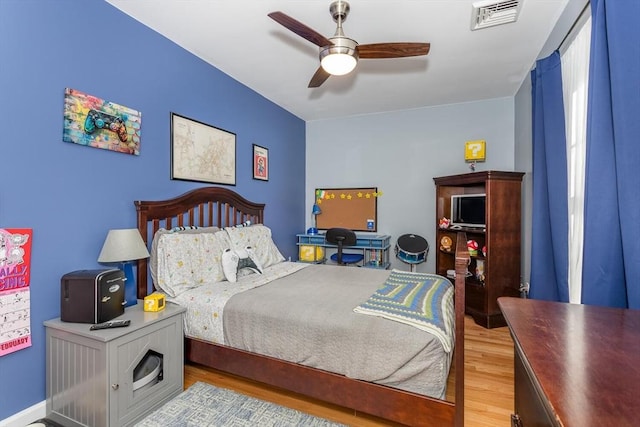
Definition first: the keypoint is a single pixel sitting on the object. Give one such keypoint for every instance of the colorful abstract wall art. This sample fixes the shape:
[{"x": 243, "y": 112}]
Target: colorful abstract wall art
[{"x": 94, "y": 122}]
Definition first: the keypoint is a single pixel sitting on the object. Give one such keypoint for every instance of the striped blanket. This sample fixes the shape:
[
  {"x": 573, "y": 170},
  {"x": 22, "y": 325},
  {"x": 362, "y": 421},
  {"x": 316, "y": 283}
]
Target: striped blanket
[{"x": 422, "y": 300}]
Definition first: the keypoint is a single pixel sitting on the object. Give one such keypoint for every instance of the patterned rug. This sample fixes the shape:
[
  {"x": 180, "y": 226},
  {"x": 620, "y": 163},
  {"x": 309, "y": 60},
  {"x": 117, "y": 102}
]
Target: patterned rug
[{"x": 205, "y": 405}]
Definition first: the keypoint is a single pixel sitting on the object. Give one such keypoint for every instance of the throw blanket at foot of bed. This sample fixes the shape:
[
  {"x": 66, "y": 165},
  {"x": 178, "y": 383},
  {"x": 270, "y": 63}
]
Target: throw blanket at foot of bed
[{"x": 421, "y": 300}]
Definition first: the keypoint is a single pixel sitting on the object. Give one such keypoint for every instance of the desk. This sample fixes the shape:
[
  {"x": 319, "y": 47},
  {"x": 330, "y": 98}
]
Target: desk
[
  {"x": 575, "y": 365},
  {"x": 374, "y": 248}
]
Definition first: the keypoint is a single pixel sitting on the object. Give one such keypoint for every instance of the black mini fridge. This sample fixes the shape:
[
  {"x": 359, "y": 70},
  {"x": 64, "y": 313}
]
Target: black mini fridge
[{"x": 91, "y": 296}]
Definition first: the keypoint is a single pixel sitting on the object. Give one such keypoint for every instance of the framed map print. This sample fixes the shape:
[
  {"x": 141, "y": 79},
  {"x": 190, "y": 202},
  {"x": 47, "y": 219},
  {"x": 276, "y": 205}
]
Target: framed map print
[{"x": 201, "y": 152}]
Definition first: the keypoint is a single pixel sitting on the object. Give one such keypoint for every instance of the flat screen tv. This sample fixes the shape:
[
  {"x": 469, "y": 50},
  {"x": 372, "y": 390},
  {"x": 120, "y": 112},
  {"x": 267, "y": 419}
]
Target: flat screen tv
[{"x": 468, "y": 210}]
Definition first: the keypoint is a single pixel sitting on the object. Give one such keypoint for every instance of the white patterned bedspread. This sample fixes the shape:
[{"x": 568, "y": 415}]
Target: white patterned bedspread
[{"x": 205, "y": 303}]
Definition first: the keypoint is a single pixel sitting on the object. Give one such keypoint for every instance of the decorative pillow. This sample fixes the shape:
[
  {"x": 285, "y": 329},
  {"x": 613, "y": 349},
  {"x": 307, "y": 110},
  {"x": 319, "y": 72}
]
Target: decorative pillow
[
  {"x": 153, "y": 259},
  {"x": 188, "y": 260},
  {"x": 234, "y": 261},
  {"x": 258, "y": 237}
]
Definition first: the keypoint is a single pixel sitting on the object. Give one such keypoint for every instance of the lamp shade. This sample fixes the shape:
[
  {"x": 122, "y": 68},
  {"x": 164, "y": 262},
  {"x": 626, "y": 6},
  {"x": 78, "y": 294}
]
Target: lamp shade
[{"x": 123, "y": 245}]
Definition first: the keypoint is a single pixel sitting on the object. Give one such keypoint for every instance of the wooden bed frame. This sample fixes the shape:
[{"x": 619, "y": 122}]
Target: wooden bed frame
[{"x": 222, "y": 207}]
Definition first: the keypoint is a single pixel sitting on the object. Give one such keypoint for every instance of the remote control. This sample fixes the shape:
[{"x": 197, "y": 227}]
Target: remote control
[{"x": 111, "y": 324}]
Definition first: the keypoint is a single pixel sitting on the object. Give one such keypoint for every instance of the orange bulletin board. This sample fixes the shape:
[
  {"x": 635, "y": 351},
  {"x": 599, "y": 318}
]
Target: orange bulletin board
[{"x": 352, "y": 208}]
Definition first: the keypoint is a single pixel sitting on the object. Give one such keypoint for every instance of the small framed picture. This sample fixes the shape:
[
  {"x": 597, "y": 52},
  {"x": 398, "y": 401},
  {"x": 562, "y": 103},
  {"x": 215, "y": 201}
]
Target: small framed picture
[{"x": 260, "y": 163}]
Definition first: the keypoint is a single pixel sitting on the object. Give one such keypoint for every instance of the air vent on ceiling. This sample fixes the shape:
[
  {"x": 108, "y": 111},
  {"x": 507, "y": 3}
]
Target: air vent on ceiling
[{"x": 489, "y": 13}]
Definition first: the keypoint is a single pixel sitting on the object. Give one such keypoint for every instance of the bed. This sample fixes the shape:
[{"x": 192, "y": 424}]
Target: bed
[{"x": 222, "y": 207}]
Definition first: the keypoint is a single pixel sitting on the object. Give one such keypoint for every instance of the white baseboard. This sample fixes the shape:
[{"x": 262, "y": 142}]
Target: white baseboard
[{"x": 26, "y": 416}]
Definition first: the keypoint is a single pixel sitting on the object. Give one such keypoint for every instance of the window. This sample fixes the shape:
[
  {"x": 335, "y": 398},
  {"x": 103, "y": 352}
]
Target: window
[{"x": 575, "y": 76}]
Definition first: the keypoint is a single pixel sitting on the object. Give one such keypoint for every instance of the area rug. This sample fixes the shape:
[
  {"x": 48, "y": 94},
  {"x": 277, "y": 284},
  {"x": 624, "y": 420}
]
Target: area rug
[{"x": 205, "y": 405}]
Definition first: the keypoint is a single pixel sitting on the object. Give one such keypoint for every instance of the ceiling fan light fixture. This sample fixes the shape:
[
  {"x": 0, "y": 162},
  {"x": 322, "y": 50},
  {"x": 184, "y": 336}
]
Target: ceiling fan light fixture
[
  {"x": 338, "y": 64},
  {"x": 340, "y": 58}
]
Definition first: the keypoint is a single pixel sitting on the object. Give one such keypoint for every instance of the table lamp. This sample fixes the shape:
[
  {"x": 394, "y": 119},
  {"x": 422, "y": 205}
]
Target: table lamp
[
  {"x": 315, "y": 211},
  {"x": 125, "y": 246}
]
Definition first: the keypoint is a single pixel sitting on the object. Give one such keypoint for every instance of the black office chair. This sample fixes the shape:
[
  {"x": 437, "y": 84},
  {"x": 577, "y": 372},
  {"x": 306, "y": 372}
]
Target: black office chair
[{"x": 343, "y": 237}]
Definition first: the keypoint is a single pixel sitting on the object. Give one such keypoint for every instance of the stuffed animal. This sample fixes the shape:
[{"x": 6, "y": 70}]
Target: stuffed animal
[
  {"x": 472, "y": 246},
  {"x": 444, "y": 222},
  {"x": 445, "y": 243}
]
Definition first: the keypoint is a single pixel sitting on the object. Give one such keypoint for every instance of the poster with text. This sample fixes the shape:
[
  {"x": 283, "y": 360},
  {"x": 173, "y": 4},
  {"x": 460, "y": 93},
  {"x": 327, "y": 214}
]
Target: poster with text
[{"x": 15, "y": 306}]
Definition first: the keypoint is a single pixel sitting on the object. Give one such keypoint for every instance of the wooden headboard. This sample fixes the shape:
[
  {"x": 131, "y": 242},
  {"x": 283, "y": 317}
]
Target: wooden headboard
[{"x": 202, "y": 207}]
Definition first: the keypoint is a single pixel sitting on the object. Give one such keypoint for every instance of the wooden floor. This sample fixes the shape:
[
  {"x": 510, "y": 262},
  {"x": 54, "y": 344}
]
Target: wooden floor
[{"x": 488, "y": 384}]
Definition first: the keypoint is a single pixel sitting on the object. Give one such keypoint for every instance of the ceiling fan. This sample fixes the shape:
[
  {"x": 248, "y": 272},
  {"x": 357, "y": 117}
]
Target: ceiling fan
[{"x": 339, "y": 54}]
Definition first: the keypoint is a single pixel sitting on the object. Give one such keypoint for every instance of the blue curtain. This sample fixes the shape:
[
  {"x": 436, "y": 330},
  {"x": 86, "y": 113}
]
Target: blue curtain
[
  {"x": 549, "y": 241},
  {"x": 611, "y": 269}
]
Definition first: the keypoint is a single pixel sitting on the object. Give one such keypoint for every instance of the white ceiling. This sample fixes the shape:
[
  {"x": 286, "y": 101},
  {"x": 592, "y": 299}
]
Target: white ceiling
[{"x": 238, "y": 38}]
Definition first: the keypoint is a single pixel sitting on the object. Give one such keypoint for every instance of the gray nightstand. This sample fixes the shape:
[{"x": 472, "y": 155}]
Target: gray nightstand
[{"x": 90, "y": 374}]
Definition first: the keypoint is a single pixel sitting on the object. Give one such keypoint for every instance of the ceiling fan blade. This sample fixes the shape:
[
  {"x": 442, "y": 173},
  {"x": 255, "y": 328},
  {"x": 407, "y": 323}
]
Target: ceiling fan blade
[
  {"x": 319, "y": 77},
  {"x": 392, "y": 50},
  {"x": 300, "y": 29}
]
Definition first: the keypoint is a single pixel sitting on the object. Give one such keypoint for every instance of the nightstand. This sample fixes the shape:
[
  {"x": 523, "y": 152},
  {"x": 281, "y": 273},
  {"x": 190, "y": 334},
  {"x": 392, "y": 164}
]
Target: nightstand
[{"x": 114, "y": 377}]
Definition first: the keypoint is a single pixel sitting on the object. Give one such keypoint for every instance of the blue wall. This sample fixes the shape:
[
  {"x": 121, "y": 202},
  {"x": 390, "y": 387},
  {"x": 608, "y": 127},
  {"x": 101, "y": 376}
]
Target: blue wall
[{"x": 72, "y": 195}]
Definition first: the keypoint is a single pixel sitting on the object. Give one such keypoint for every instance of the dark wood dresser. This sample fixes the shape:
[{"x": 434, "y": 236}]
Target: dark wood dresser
[{"x": 575, "y": 365}]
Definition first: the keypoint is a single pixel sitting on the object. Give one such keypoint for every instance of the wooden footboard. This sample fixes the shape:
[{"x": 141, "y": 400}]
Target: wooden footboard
[
  {"x": 221, "y": 207},
  {"x": 382, "y": 401}
]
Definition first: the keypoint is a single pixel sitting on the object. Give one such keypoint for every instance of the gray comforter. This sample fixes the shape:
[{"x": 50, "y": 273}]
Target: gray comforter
[{"x": 308, "y": 318}]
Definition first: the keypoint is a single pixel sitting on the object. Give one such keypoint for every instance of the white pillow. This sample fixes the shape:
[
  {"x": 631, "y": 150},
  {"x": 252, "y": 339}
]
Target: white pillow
[
  {"x": 234, "y": 261},
  {"x": 188, "y": 260},
  {"x": 153, "y": 259},
  {"x": 258, "y": 237}
]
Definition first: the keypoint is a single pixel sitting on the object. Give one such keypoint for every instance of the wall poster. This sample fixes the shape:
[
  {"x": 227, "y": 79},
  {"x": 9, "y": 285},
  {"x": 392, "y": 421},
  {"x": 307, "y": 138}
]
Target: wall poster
[{"x": 15, "y": 307}]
